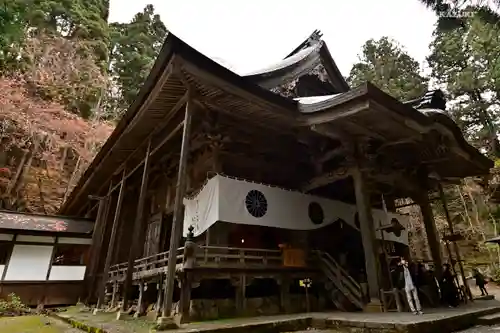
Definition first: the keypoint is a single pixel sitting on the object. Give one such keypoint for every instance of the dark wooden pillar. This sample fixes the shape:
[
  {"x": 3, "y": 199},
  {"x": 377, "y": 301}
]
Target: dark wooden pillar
[
  {"x": 178, "y": 219},
  {"x": 159, "y": 299},
  {"x": 136, "y": 239},
  {"x": 113, "y": 296},
  {"x": 185, "y": 299},
  {"x": 140, "y": 302},
  {"x": 111, "y": 244},
  {"x": 97, "y": 240},
  {"x": 367, "y": 228},
  {"x": 431, "y": 230},
  {"x": 455, "y": 246},
  {"x": 241, "y": 284},
  {"x": 285, "y": 294}
]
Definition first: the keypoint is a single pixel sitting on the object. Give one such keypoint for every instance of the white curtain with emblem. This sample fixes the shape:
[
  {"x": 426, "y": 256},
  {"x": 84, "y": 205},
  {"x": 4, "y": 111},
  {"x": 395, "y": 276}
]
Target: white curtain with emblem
[{"x": 225, "y": 199}]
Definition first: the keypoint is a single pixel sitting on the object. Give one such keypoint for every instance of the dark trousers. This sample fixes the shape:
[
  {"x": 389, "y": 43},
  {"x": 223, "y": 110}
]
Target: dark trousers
[{"x": 483, "y": 289}]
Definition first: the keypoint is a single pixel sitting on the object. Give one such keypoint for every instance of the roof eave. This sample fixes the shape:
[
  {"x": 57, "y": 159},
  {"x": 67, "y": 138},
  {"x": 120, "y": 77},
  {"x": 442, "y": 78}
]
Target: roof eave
[
  {"x": 163, "y": 60},
  {"x": 172, "y": 48},
  {"x": 369, "y": 91},
  {"x": 333, "y": 70}
]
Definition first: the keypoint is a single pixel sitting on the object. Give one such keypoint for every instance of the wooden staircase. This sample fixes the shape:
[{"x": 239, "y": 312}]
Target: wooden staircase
[{"x": 343, "y": 290}]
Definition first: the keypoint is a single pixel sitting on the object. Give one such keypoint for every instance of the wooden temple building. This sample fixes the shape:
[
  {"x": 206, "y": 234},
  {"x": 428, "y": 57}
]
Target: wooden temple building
[
  {"x": 43, "y": 258},
  {"x": 217, "y": 193}
]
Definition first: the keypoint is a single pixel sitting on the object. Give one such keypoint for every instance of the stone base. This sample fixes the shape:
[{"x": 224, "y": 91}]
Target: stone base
[
  {"x": 121, "y": 315},
  {"x": 96, "y": 311},
  {"x": 166, "y": 323},
  {"x": 153, "y": 315},
  {"x": 374, "y": 306}
]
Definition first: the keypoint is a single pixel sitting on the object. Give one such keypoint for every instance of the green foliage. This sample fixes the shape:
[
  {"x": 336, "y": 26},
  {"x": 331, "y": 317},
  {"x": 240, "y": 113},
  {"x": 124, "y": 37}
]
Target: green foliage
[
  {"x": 386, "y": 65},
  {"x": 12, "y": 306},
  {"x": 465, "y": 62},
  {"x": 85, "y": 20},
  {"x": 78, "y": 31},
  {"x": 12, "y": 27},
  {"x": 135, "y": 46},
  {"x": 453, "y": 14}
]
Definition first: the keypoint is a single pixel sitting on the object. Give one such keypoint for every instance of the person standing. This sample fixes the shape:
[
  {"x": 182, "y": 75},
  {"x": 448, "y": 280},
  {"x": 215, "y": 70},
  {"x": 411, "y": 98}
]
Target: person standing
[
  {"x": 448, "y": 289},
  {"x": 411, "y": 290},
  {"x": 480, "y": 282}
]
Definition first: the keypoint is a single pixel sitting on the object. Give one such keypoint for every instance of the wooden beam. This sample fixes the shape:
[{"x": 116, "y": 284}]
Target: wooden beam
[
  {"x": 422, "y": 129},
  {"x": 111, "y": 244},
  {"x": 97, "y": 238},
  {"x": 284, "y": 112},
  {"x": 153, "y": 151},
  {"x": 345, "y": 111},
  {"x": 151, "y": 97},
  {"x": 422, "y": 198},
  {"x": 134, "y": 249},
  {"x": 367, "y": 228},
  {"x": 167, "y": 73},
  {"x": 455, "y": 246},
  {"x": 367, "y": 132},
  {"x": 178, "y": 218},
  {"x": 162, "y": 123},
  {"x": 96, "y": 248},
  {"x": 328, "y": 131},
  {"x": 331, "y": 154},
  {"x": 327, "y": 178}
]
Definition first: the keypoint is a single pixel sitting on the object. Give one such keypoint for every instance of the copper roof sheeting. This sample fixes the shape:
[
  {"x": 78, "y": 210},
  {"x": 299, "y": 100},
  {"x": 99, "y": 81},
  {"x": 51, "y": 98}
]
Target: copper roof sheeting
[
  {"x": 302, "y": 60},
  {"x": 33, "y": 222}
]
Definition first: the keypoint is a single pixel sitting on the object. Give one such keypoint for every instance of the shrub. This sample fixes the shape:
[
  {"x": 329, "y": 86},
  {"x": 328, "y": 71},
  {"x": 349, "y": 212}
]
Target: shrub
[{"x": 12, "y": 306}]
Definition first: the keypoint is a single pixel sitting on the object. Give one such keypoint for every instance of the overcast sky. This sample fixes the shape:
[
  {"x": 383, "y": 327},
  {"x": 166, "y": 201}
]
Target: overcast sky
[{"x": 249, "y": 35}]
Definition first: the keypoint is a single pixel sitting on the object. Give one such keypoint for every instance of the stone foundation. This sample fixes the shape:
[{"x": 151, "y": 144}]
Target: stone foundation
[{"x": 209, "y": 309}]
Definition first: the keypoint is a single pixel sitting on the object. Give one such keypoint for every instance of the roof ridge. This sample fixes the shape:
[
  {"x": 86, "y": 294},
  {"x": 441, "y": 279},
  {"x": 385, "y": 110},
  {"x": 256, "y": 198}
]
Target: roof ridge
[{"x": 313, "y": 39}]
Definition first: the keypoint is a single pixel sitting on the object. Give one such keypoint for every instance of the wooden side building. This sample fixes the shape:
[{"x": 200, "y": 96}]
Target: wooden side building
[
  {"x": 43, "y": 258},
  {"x": 221, "y": 191}
]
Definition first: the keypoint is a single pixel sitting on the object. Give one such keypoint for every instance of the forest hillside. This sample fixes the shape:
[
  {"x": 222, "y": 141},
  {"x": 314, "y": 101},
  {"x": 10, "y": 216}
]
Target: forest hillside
[{"x": 67, "y": 75}]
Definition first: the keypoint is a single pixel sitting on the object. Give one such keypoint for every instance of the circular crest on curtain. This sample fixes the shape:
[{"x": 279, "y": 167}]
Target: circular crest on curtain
[{"x": 256, "y": 203}]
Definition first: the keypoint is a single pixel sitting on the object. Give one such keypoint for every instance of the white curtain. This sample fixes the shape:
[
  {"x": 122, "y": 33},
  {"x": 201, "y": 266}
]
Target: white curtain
[{"x": 224, "y": 199}]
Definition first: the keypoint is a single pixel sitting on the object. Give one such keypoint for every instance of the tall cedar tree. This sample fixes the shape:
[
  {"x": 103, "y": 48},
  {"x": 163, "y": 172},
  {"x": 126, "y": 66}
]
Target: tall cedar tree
[
  {"x": 452, "y": 14},
  {"x": 389, "y": 67},
  {"x": 135, "y": 46},
  {"x": 85, "y": 20},
  {"x": 465, "y": 62}
]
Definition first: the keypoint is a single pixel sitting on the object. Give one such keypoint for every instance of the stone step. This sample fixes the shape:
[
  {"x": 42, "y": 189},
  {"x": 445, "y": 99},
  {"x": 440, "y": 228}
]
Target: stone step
[
  {"x": 490, "y": 319},
  {"x": 484, "y": 298}
]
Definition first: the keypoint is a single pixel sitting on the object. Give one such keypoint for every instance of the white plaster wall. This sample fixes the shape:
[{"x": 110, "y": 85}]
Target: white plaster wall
[
  {"x": 29, "y": 263},
  {"x": 2, "y": 267},
  {"x": 74, "y": 240},
  {"x": 6, "y": 237},
  {"x": 35, "y": 239},
  {"x": 67, "y": 273}
]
